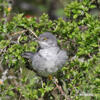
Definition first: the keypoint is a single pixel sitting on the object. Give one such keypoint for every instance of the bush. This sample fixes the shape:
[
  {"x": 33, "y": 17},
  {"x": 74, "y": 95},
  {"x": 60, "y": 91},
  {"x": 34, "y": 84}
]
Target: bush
[{"x": 79, "y": 35}]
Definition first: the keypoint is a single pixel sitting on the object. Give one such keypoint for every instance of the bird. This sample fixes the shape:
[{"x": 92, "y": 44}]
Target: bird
[{"x": 49, "y": 58}]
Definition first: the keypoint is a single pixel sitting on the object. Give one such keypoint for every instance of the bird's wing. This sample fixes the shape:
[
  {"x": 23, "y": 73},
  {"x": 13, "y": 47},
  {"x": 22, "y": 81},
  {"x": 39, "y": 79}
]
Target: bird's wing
[
  {"x": 61, "y": 58},
  {"x": 28, "y": 55}
]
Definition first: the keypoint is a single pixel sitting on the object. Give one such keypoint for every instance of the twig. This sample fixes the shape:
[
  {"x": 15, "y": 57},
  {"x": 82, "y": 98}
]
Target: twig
[
  {"x": 60, "y": 89},
  {"x": 3, "y": 50},
  {"x": 32, "y": 33},
  {"x": 18, "y": 32},
  {"x": 26, "y": 28},
  {"x": 18, "y": 40}
]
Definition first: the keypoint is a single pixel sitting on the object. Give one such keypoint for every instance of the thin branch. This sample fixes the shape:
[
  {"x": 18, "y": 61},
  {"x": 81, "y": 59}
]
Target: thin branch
[
  {"x": 18, "y": 32},
  {"x": 60, "y": 89},
  {"x": 33, "y": 33},
  {"x": 28, "y": 29}
]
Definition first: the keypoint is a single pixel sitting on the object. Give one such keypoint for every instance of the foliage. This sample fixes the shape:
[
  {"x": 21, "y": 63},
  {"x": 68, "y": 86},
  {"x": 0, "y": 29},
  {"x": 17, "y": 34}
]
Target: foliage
[
  {"x": 79, "y": 35},
  {"x": 78, "y": 9}
]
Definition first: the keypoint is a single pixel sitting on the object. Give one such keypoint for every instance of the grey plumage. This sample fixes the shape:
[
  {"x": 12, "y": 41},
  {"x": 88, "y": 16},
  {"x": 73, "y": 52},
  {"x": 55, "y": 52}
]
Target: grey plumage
[{"x": 49, "y": 58}]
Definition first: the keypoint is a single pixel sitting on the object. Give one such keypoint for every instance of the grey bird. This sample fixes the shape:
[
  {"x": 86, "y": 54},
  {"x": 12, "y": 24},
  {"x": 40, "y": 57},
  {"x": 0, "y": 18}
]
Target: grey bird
[{"x": 49, "y": 58}]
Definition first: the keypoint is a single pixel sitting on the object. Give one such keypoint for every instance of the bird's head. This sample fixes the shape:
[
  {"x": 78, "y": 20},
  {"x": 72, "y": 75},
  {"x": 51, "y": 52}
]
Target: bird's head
[{"x": 47, "y": 40}]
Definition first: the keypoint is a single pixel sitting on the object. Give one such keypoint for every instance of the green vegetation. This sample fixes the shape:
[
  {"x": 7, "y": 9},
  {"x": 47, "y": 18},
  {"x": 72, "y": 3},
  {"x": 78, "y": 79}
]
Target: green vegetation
[{"x": 79, "y": 36}]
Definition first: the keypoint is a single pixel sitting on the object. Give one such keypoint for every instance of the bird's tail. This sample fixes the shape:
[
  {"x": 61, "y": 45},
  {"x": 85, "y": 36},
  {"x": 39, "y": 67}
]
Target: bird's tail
[{"x": 28, "y": 55}]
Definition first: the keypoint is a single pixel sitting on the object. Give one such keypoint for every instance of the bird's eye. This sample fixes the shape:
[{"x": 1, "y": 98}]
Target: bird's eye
[{"x": 44, "y": 38}]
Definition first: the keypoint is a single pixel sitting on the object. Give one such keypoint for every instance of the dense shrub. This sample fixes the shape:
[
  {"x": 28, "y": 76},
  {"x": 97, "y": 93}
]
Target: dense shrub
[{"x": 79, "y": 36}]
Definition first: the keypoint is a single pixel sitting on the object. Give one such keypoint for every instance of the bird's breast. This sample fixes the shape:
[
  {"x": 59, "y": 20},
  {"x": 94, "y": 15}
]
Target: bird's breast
[{"x": 49, "y": 53}]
